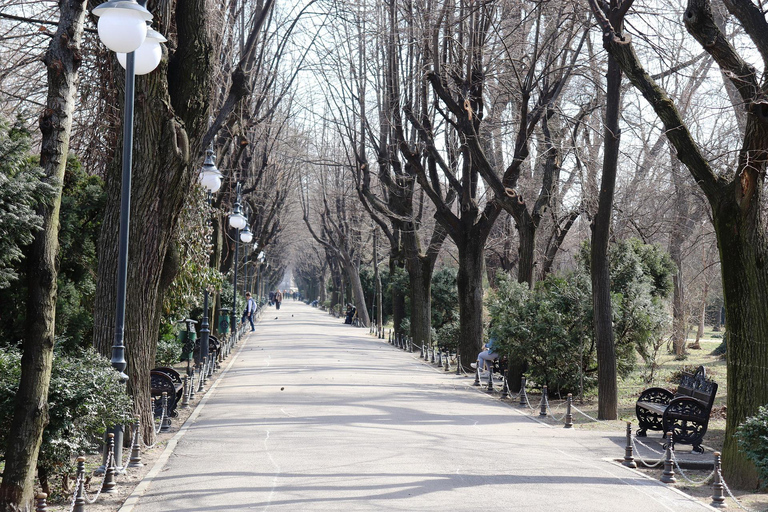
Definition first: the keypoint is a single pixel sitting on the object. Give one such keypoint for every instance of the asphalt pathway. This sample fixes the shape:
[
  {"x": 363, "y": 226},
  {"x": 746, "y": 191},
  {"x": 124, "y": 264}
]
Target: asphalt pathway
[{"x": 311, "y": 414}]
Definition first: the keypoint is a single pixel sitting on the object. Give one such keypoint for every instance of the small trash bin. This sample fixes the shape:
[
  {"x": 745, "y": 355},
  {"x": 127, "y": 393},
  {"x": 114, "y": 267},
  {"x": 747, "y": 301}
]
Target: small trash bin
[{"x": 187, "y": 339}]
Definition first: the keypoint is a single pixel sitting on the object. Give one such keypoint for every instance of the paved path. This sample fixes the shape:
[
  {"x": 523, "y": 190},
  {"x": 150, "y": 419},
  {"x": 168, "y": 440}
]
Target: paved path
[{"x": 316, "y": 415}]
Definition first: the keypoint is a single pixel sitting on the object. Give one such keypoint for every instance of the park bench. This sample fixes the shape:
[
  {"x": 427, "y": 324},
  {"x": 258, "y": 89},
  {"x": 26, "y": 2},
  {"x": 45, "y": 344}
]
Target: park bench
[
  {"x": 214, "y": 347},
  {"x": 166, "y": 380},
  {"x": 685, "y": 413}
]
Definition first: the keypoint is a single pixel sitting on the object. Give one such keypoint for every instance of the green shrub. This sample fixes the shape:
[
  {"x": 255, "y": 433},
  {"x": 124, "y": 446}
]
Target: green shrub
[
  {"x": 752, "y": 436},
  {"x": 85, "y": 398},
  {"x": 445, "y": 298},
  {"x": 168, "y": 351},
  {"x": 549, "y": 327},
  {"x": 447, "y": 336}
]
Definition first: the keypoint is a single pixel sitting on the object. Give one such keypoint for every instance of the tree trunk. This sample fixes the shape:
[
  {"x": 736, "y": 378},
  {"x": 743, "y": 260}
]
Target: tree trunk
[
  {"x": 377, "y": 283},
  {"x": 172, "y": 106},
  {"x": 30, "y": 414},
  {"x": 420, "y": 275},
  {"x": 743, "y": 251},
  {"x": 679, "y": 232},
  {"x": 607, "y": 384},
  {"x": 398, "y": 297},
  {"x": 358, "y": 294},
  {"x": 526, "y": 230},
  {"x": 679, "y": 323},
  {"x": 702, "y": 317},
  {"x": 469, "y": 281},
  {"x": 322, "y": 291}
]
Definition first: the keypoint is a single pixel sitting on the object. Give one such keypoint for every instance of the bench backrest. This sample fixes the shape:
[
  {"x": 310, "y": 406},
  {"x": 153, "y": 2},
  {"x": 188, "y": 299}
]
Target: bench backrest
[{"x": 697, "y": 385}]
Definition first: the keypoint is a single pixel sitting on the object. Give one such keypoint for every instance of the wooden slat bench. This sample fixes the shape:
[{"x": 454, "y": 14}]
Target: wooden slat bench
[{"x": 685, "y": 413}]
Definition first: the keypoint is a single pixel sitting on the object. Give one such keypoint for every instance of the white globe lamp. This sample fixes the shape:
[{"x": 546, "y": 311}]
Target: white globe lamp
[
  {"x": 147, "y": 56},
  {"x": 236, "y": 219},
  {"x": 122, "y": 25},
  {"x": 210, "y": 177},
  {"x": 246, "y": 236}
]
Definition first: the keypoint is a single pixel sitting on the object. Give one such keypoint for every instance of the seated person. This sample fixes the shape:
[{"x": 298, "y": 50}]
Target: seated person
[
  {"x": 486, "y": 358},
  {"x": 350, "y": 314}
]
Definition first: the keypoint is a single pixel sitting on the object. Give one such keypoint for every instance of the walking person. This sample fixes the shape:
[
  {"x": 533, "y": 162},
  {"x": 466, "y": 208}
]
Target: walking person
[
  {"x": 250, "y": 309},
  {"x": 278, "y": 299}
]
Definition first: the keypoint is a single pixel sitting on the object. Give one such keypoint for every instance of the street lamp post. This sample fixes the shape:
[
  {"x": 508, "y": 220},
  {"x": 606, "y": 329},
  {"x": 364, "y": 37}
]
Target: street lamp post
[
  {"x": 237, "y": 221},
  {"x": 259, "y": 285},
  {"x": 210, "y": 179},
  {"x": 123, "y": 28},
  {"x": 246, "y": 236}
]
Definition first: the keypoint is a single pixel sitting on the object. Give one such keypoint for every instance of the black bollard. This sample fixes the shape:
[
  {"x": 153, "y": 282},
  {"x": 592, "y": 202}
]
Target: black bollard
[
  {"x": 165, "y": 425},
  {"x": 458, "y": 364},
  {"x": 629, "y": 458},
  {"x": 544, "y": 401},
  {"x": 668, "y": 475},
  {"x": 568, "y": 413},
  {"x": 477, "y": 377},
  {"x": 109, "y": 486},
  {"x": 490, "y": 389},
  {"x": 432, "y": 354},
  {"x": 41, "y": 503},
  {"x": 192, "y": 384},
  {"x": 185, "y": 394},
  {"x": 439, "y": 359},
  {"x": 523, "y": 396},
  {"x": 421, "y": 352},
  {"x": 135, "y": 460},
  {"x": 201, "y": 379},
  {"x": 718, "y": 497},
  {"x": 504, "y": 387},
  {"x": 410, "y": 345},
  {"x": 80, "y": 502}
]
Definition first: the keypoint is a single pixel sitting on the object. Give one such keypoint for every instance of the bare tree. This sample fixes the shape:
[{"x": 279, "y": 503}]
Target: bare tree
[{"x": 735, "y": 199}]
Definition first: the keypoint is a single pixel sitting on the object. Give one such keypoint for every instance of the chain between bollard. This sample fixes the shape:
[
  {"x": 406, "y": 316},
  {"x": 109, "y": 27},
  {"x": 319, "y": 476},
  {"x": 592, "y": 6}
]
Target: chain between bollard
[
  {"x": 157, "y": 426},
  {"x": 585, "y": 414},
  {"x": 641, "y": 459},
  {"x": 110, "y": 462},
  {"x": 728, "y": 490},
  {"x": 79, "y": 503},
  {"x": 686, "y": 477},
  {"x": 634, "y": 440},
  {"x": 552, "y": 413}
]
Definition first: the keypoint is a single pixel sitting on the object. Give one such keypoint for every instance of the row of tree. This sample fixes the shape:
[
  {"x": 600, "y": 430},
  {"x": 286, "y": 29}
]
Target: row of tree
[
  {"x": 483, "y": 132},
  {"x": 454, "y": 122},
  {"x": 225, "y": 81}
]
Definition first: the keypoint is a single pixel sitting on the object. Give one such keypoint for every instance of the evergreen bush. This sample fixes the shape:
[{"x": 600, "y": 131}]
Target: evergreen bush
[
  {"x": 752, "y": 436},
  {"x": 84, "y": 399}
]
